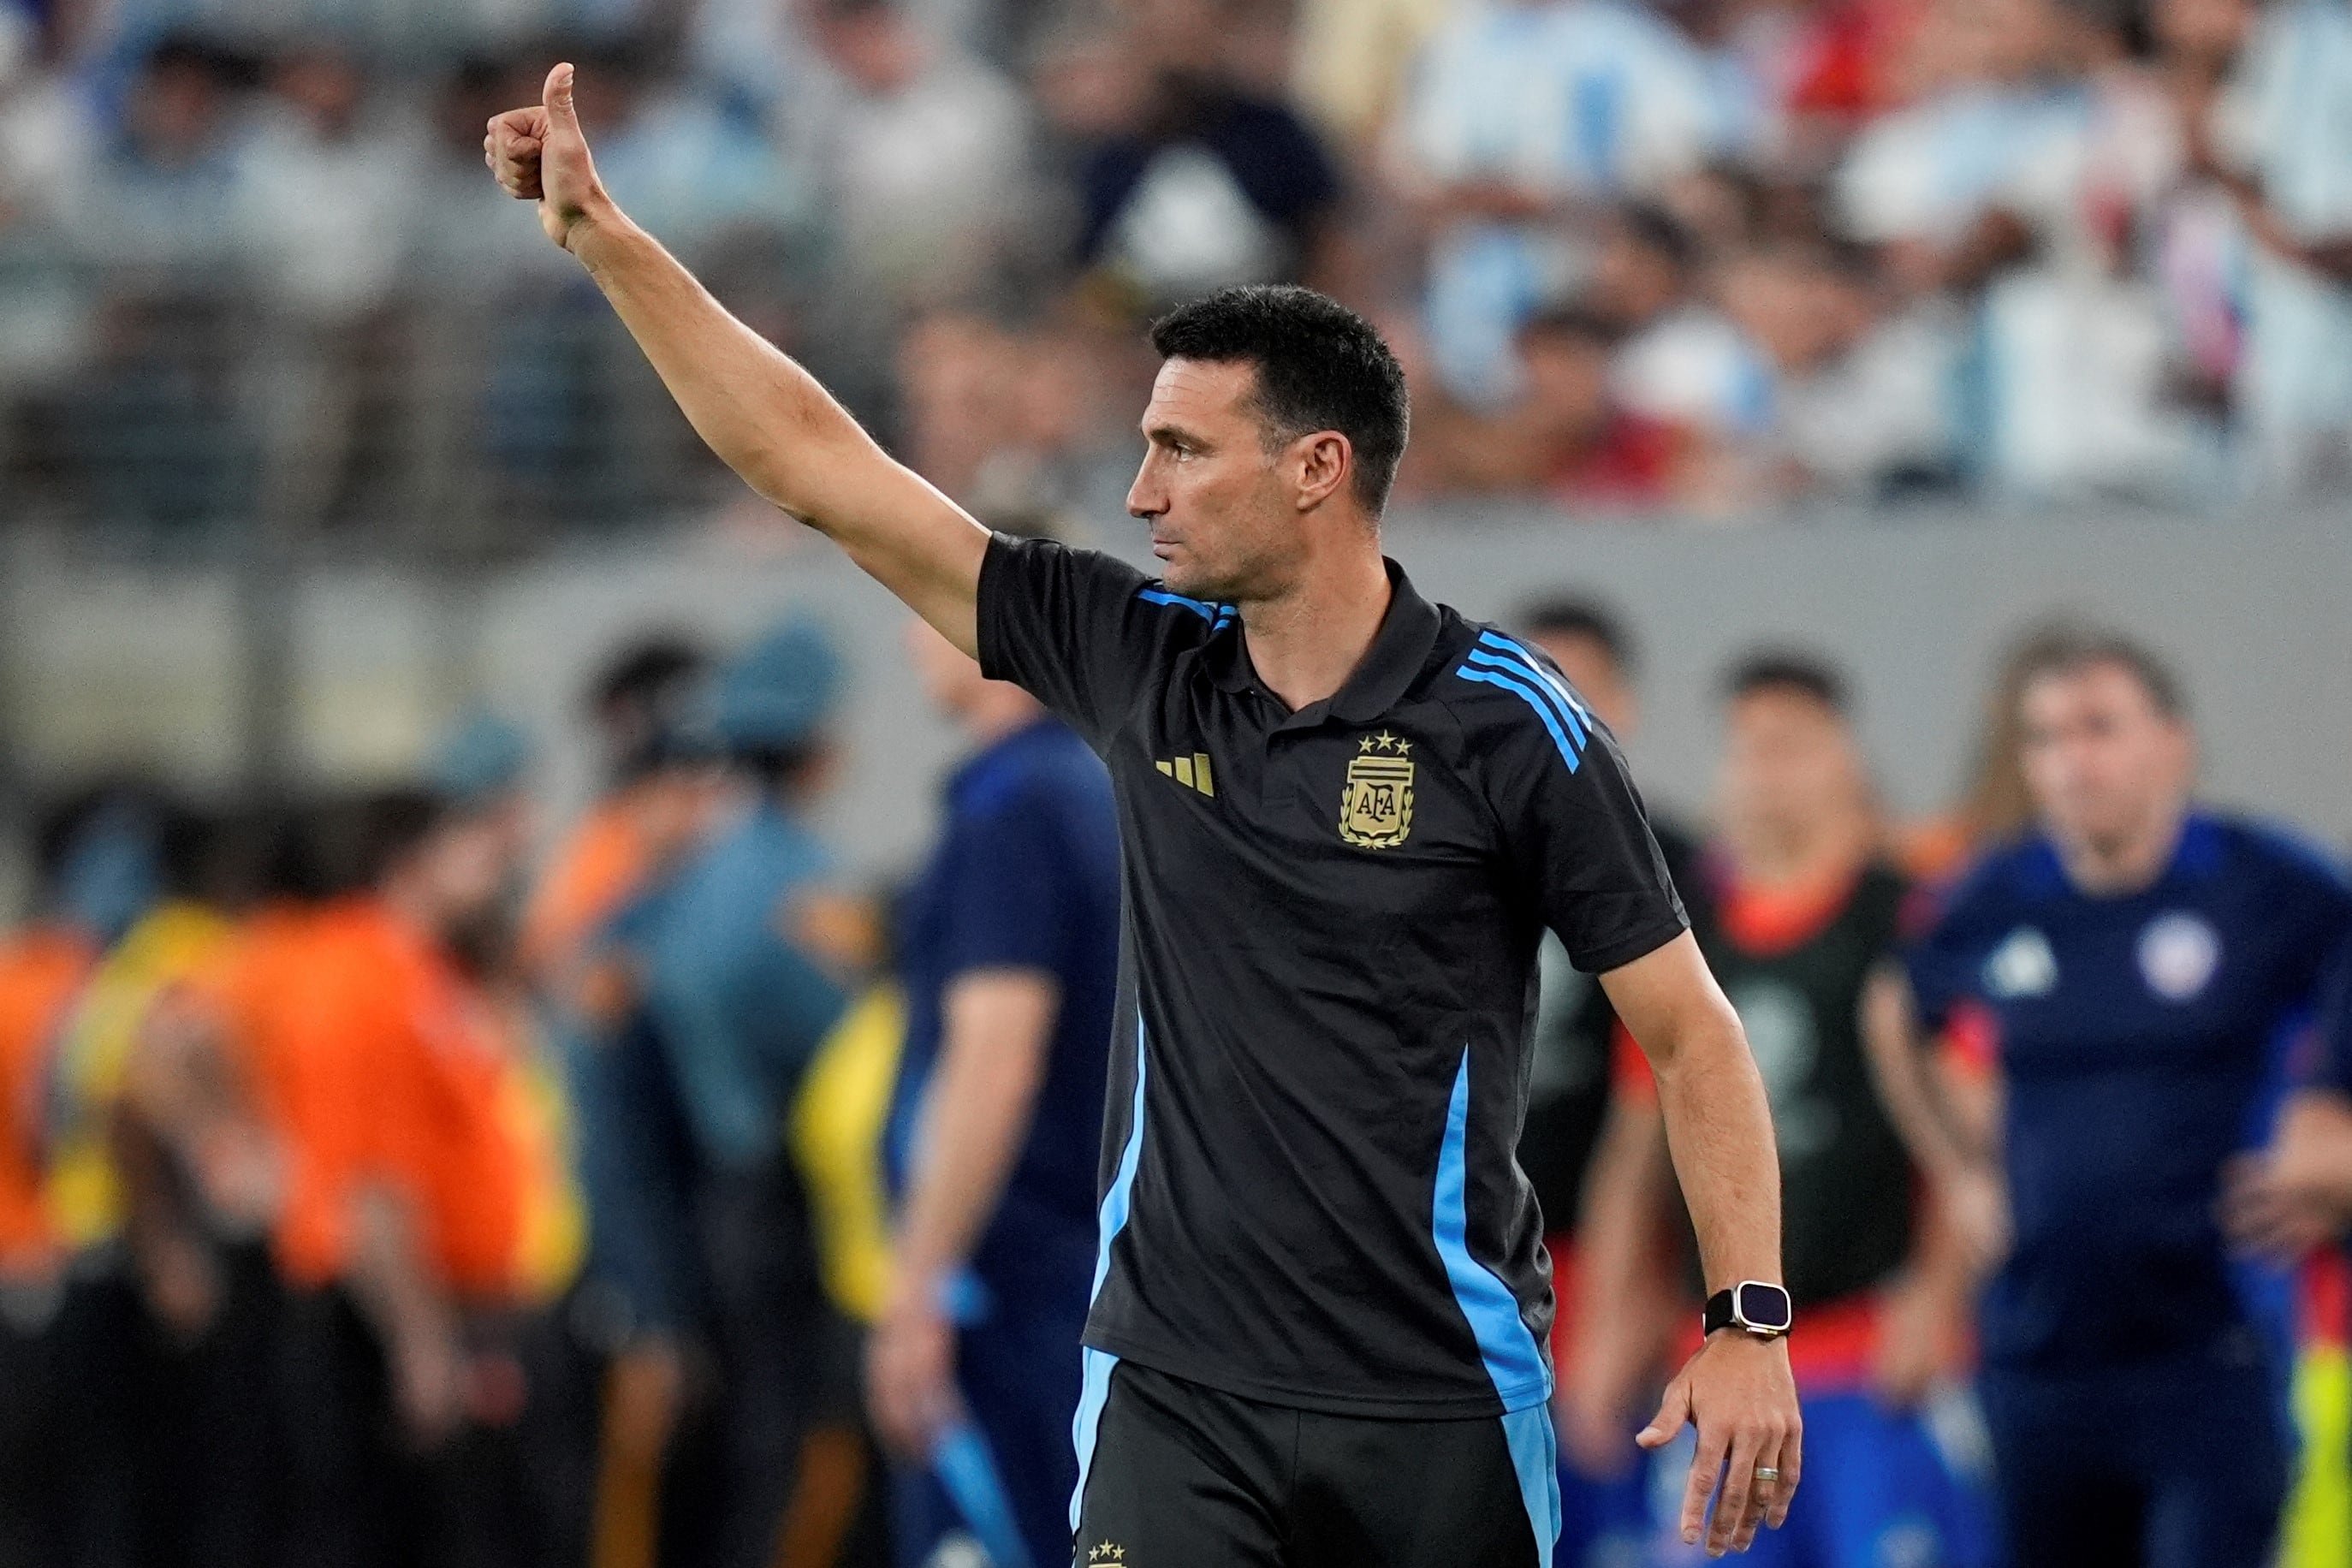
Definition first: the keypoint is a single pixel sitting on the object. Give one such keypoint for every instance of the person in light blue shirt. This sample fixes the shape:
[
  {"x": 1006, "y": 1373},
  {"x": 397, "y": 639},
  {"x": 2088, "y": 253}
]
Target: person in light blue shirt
[{"x": 736, "y": 1003}]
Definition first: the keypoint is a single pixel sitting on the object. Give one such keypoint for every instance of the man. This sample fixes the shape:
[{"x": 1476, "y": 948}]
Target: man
[
  {"x": 1010, "y": 945},
  {"x": 419, "y": 1211},
  {"x": 2136, "y": 971},
  {"x": 1345, "y": 816},
  {"x": 1800, "y": 915},
  {"x": 741, "y": 985},
  {"x": 656, "y": 802},
  {"x": 1605, "y": 1499}
]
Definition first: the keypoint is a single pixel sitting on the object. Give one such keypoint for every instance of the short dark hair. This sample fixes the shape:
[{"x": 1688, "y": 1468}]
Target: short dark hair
[
  {"x": 2070, "y": 651},
  {"x": 1655, "y": 228},
  {"x": 1320, "y": 367},
  {"x": 1578, "y": 324},
  {"x": 1572, "y": 616},
  {"x": 1788, "y": 669}
]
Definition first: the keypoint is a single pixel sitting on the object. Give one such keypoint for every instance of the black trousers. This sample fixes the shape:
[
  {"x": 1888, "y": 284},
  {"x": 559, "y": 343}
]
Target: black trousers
[{"x": 1180, "y": 1476}]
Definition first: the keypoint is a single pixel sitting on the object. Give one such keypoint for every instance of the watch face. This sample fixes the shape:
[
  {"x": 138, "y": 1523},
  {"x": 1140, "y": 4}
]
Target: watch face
[{"x": 1764, "y": 1306}]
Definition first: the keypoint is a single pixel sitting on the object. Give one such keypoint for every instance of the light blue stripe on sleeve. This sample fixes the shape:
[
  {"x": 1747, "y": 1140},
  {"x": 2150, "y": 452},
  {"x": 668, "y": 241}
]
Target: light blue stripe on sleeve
[
  {"x": 1526, "y": 694},
  {"x": 1533, "y": 681},
  {"x": 1579, "y": 720}
]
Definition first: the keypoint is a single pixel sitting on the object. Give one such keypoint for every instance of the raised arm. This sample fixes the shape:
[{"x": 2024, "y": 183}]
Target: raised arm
[
  {"x": 764, "y": 415},
  {"x": 1738, "y": 1391}
]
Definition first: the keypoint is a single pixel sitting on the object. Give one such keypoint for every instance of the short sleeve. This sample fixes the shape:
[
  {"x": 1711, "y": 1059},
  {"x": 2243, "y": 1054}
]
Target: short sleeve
[
  {"x": 1574, "y": 821},
  {"x": 2332, "y": 1066},
  {"x": 1005, "y": 904},
  {"x": 1071, "y": 628},
  {"x": 1940, "y": 965}
]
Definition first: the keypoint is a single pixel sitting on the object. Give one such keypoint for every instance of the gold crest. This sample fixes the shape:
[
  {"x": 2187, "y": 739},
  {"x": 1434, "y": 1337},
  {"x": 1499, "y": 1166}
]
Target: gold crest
[{"x": 1376, "y": 807}]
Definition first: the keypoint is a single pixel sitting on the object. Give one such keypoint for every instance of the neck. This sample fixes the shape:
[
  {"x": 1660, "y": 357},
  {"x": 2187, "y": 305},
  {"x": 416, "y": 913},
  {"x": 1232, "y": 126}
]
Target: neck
[
  {"x": 1304, "y": 644},
  {"x": 1798, "y": 854},
  {"x": 2127, "y": 865}
]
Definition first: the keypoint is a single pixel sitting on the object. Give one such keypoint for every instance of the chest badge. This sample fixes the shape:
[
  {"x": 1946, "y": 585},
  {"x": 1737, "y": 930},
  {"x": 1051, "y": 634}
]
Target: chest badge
[
  {"x": 1376, "y": 805},
  {"x": 2178, "y": 955},
  {"x": 2022, "y": 966}
]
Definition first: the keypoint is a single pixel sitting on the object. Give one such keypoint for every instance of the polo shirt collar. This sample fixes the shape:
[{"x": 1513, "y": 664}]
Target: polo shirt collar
[{"x": 1381, "y": 679}]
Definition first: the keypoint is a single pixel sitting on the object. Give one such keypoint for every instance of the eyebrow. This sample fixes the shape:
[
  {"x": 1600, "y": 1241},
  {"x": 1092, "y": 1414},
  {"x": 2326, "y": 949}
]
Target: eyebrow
[{"x": 1171, "y": 435}]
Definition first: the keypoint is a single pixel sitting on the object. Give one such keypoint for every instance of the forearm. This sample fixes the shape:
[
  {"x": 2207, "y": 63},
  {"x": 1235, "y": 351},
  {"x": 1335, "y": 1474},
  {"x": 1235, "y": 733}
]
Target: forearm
[
  {"x": 1902, "y": 1065},
  {"x": 388, "y": 1275},
  {"x": 765, "y": 416},
  {"x": 770, "y": 422},
  {"x": 1719, "y": 1128},
  {"x": 976, "y": 1114}
]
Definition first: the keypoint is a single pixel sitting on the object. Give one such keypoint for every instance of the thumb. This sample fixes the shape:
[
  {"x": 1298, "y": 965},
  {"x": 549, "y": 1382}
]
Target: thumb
[
  {"x": 557, "y": 97},
  {"x": 1672, "y": 1410}
]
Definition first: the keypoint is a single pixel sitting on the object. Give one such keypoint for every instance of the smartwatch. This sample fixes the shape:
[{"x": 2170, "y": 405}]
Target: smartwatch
[{"x": 1753, "y": 1306}]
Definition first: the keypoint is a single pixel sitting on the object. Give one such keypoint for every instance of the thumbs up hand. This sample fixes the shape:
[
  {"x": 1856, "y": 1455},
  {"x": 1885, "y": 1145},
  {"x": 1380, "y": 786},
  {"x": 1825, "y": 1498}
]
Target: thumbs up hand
[{"x": 539, "y": 154}]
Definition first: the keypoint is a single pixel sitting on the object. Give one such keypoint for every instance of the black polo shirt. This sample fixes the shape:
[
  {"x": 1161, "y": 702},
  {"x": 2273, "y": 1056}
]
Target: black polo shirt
[{"x": 1319, "y": 1065}]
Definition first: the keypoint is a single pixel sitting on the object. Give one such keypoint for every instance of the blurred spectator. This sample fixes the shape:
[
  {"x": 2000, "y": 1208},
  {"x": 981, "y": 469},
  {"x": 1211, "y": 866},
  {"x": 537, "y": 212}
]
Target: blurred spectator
[
  {"x": 1520, "y": 109},
  {"x": 1566, "y": 436},
  {"x": 327, "y": 184},
  {"x": 924, "y": 158},
  {"x": 156, "y": 430},
  {"x": 1004, "y": 421},
  {"x": 1199, "y": 182},
  {"x": 1859, "y": 395},
  {"x": 1354, "y": 58},
  {"x": 678, "y": 165},
  {"x": 1681, "y": 363},
  {"x": 45, "y": 309},
  {"x": 2280, "y": 133}
]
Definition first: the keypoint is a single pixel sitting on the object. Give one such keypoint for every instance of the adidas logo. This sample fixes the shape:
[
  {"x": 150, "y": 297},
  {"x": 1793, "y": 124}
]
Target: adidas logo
[{"x": 1192, "y": 772}]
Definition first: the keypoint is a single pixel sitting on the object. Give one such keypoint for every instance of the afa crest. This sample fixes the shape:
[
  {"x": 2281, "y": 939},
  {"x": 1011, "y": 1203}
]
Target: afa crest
[{"x": 1376, "y": 806}]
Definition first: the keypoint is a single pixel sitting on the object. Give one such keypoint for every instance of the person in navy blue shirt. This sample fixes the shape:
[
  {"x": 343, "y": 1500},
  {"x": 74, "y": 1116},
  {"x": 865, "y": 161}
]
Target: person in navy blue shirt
[
  {"x": 1010, "y": 952},
  {"x": 2137, "y": 973}
]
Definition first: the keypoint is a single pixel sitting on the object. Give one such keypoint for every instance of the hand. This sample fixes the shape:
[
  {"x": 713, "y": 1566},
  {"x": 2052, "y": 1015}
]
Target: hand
[
  {"x": 1592, "y": 1421},
  {"x": 910, "y": 1371},
  {"x": 1738, "y": 1392},
  {"x": 184, "y": 1288},
  {"x": 1976, "y": 1205},
  {"x": 428, "y": 1378},
  {"x": 1918, "y": 1326},
  {"x": 2269, "y": 1211},
  {"x": 2297, "y": 1194},
  {"x": 540, "y": 155}
]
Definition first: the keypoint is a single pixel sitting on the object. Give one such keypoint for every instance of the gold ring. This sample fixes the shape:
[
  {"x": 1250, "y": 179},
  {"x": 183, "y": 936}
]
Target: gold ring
[{"x": 1766, "y": 1473}]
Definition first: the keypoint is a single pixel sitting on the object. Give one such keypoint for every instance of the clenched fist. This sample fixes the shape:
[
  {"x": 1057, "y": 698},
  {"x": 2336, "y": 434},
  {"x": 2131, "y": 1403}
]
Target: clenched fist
[{"x": 540, "y": 155}]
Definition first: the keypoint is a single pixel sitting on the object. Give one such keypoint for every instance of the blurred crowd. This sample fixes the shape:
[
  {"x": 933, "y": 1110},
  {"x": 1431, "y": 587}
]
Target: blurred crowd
[
  {"x": 405, "y": 1179},
  {"x": 1711, "y": 258}
]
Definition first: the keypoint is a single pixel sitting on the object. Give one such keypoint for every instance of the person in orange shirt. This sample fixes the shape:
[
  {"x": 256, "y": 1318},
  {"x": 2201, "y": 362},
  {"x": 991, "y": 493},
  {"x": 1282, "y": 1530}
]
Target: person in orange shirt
[
  {"x": 662, "y": 793},
  {"x": 408, "y": 1230},
  {"x": 1799, "y": 916}
]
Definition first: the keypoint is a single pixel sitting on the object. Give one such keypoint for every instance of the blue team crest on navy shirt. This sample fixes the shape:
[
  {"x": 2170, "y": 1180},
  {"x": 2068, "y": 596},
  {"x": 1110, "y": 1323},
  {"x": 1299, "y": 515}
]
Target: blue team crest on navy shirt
[
  {"x": 2022, "y": 965},
  {"x": 2178, "y": 955}
]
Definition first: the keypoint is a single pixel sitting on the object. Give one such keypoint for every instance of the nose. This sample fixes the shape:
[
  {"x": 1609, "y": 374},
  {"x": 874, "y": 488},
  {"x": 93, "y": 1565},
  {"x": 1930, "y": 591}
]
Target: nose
[{"x": 1147, "y": 498}]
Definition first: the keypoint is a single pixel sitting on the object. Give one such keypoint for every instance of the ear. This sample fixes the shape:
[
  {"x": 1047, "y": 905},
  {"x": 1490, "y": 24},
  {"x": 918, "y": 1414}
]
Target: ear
[{"x": 1324, "y": 462}]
